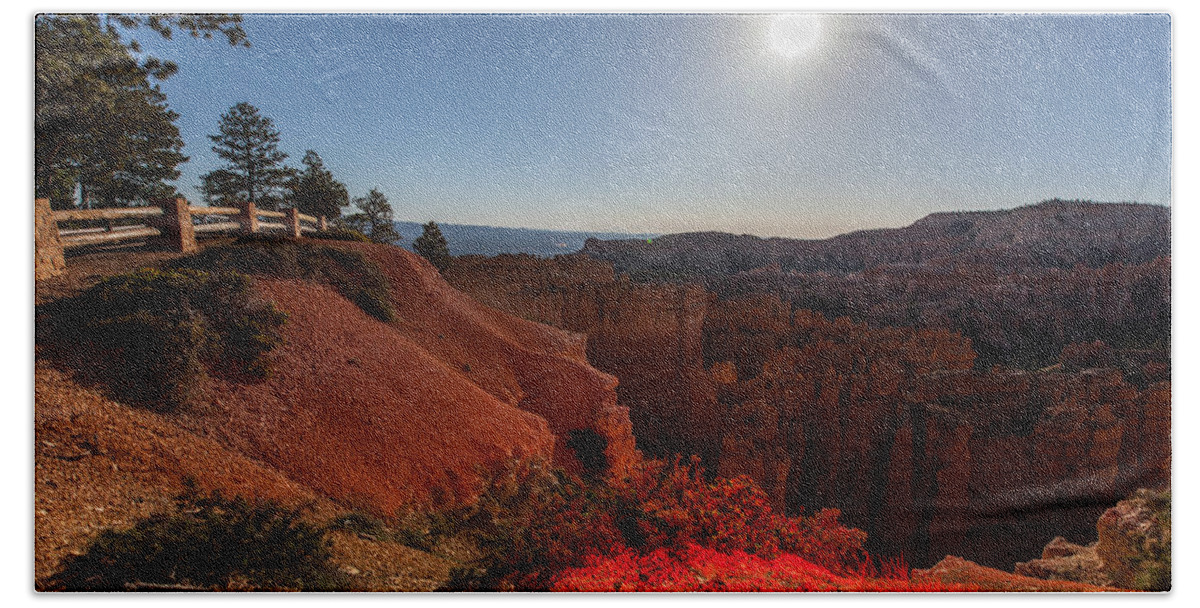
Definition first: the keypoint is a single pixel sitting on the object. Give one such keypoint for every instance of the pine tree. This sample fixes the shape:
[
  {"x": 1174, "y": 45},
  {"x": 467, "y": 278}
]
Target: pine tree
[
  {"x": 255, "y": 173},
  {"x": 315, "y": 192},
  {"x": 374, "y": 218},
  {"x": 139, "y": 152},
  {"x": 101, "y": 127},
  {"x": 431, "y": 245}
]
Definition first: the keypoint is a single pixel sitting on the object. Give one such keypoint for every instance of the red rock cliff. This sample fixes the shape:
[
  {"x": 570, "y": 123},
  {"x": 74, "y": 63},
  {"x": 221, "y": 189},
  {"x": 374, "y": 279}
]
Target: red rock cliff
[
  {"x": 891, "y": 425},
  {"x": 384, "y": 415},
  {"x": 649, "y": 336},
  {"x": 930, "y": 457}
]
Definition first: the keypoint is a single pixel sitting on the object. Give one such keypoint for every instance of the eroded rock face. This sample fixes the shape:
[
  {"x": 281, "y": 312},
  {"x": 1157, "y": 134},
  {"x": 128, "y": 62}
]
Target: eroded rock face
[
  {"x": 649, "y": 336},
  {"x": 956, "y": 570},
  {"x": 894, "y": 426},
  {"x": 931, "y": 457},
  {"x": 1066, "y": 561},
  {"x": 1021, "y": 283},
  {"x": 1135, "y": 541},
  {"x": 1133, "y": 551}
]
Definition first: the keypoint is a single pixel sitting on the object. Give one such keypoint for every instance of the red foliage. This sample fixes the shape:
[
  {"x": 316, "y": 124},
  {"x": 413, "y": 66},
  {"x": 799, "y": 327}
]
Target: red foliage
[
  {"x": 671, "y": 505},
  {"x": 696, "y": 568},
  {"x": 662, "y": 527}
]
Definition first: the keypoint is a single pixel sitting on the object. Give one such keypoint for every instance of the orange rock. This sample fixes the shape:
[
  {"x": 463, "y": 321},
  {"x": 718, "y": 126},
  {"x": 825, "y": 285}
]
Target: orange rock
[{"x": 385, "y": 415}]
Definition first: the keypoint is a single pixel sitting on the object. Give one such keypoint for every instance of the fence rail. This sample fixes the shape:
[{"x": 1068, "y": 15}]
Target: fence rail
[
  {"x": 172, "y": 223},
  {"x": 213, "y": 210},
  {"x": 106, "y": 214}
]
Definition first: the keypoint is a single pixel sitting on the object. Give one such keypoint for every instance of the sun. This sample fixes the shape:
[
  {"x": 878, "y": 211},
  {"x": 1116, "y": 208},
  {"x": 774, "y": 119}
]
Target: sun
[{"x": 794, "y": 35}]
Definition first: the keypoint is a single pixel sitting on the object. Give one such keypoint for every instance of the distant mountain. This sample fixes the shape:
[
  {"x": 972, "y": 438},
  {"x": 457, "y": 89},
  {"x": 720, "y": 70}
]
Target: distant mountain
[
  {"x": 466, "y": 239},
  {"x": 1022, "y": 284},
  {"x": 1051, "y": 234}
]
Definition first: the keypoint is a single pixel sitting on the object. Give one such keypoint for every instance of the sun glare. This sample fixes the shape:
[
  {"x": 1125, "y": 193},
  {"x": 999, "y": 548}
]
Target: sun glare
[{"x": 794, "y": 35}]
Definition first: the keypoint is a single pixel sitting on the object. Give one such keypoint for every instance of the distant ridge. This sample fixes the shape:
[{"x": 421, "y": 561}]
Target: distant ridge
[
  {"x": 467, "y": 239},
  {"x": 1050, "y": 234}
]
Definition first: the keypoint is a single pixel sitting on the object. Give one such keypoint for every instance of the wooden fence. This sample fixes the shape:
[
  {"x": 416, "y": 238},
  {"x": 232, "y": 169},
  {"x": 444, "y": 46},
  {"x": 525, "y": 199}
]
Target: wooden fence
[{"x": 173, "y": 224}]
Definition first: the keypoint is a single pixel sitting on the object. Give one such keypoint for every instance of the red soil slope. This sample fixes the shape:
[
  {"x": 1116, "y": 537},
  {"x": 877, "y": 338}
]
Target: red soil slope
[
  {"x": 535, "y": 367},
  {"x": 100, "y": 464},
  {"x": 382, "y": 416}
]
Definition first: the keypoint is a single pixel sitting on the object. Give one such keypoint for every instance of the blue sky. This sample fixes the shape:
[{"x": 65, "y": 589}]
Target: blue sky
[{"x": 667, "y": 123}]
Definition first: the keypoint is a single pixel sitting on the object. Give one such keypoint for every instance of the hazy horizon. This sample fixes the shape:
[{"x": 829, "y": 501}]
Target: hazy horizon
[{"x": 801, "y": 127}]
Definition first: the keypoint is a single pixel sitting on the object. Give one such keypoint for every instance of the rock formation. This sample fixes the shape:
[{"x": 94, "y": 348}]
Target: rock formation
[
  {"x": 1133, "y": 550},
  {"x": 1135, "y": 541},
  {"x": 953, "y": 570},
  {"x": 901, "y": 417},
  {"x": 389, "y": 415},
  {"x": 1020, "y": 283},
  {"x": 1066, "y": 561},
  {"x": 930, "y": 456},
  {"x": 649, "y": 336},
  {"x": 1051, "y": 234}
]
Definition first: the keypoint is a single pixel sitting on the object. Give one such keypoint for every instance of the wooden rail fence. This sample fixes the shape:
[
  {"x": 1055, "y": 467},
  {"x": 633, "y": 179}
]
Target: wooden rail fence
[{"x": 174, "y": 224}]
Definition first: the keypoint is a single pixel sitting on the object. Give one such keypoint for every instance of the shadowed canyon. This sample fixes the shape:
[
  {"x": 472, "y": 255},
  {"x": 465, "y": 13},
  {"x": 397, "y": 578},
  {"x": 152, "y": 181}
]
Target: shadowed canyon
[{"x": 973, "y": 385}]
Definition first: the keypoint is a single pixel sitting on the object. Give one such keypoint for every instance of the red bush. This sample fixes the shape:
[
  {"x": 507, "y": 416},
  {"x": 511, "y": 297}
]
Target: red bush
[
  {"x": 696, "y": 568},
  {"x": 663, "y": 527},
  {"x": 671, "y": 505},
  {"x": 822, "y": 539}
]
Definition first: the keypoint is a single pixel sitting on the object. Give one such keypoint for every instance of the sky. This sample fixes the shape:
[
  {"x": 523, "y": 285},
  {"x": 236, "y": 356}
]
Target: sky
[{"x": 797, "y": 126}]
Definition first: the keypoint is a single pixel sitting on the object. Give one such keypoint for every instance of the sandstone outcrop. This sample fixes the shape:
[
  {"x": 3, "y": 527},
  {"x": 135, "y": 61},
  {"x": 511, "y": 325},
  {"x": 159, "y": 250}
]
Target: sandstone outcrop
[
  {"x": 927, "y": 454},
  {"x": 1066, "y": 561},
  {"x": 1135, "y": 541},
  {"x": 1020, "y": 283},
  {"x": 1133, "y": 550},
  {"x": 649, "y": 336},
  {"x": 956, "y": 570},
  {"x": 382, "y": 416}
]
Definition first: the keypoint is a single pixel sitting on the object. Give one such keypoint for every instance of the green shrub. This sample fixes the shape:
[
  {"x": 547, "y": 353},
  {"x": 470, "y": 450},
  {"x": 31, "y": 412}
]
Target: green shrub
[
  {"x": 358, "y": 523},
  {"x": 152, "y": 334},
  {"x": 341, "y": 233},
  {"x": 210, "y": 543},
  {"x": 529, "y": 523},
  {"x": 348, "y": 272},
  {"x": 423, "y": 530},
  {"x": 417, "y": 529},
  {"x": 1152, "y": 566},
  {"x": 432, "y": 246}
]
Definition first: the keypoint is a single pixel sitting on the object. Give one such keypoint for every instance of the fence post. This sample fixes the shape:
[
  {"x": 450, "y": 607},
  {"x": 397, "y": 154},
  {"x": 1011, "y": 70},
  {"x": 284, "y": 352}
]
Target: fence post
[
  {"x": 293, "y": 217},
  {"x": 177, "y": 229},
  {"x": 323, "y": 225},
  {"x": 48, "y": 260},
  {"x": 249, "y": 217}
]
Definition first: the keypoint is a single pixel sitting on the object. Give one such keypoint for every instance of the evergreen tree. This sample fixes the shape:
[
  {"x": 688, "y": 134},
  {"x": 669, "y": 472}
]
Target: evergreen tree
[
  {"x": 315, "y": 192},
  {"x": 374, "y": 218},
  {"x": 431, "y": 245},
  {"x": 139, "y": 152},
  {"x": 101, "y": 127},
  {"x": 255, "y": 173}
]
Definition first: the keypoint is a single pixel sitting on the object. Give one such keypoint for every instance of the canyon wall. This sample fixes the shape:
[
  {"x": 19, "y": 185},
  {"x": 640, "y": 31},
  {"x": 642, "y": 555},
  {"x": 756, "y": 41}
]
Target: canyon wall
[
  {"x": 931, "y": 457},
  {"x": 648, "y": 336},
  {"x": 895, "y": 426},
  {"x": 1021, "y": 283}
]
